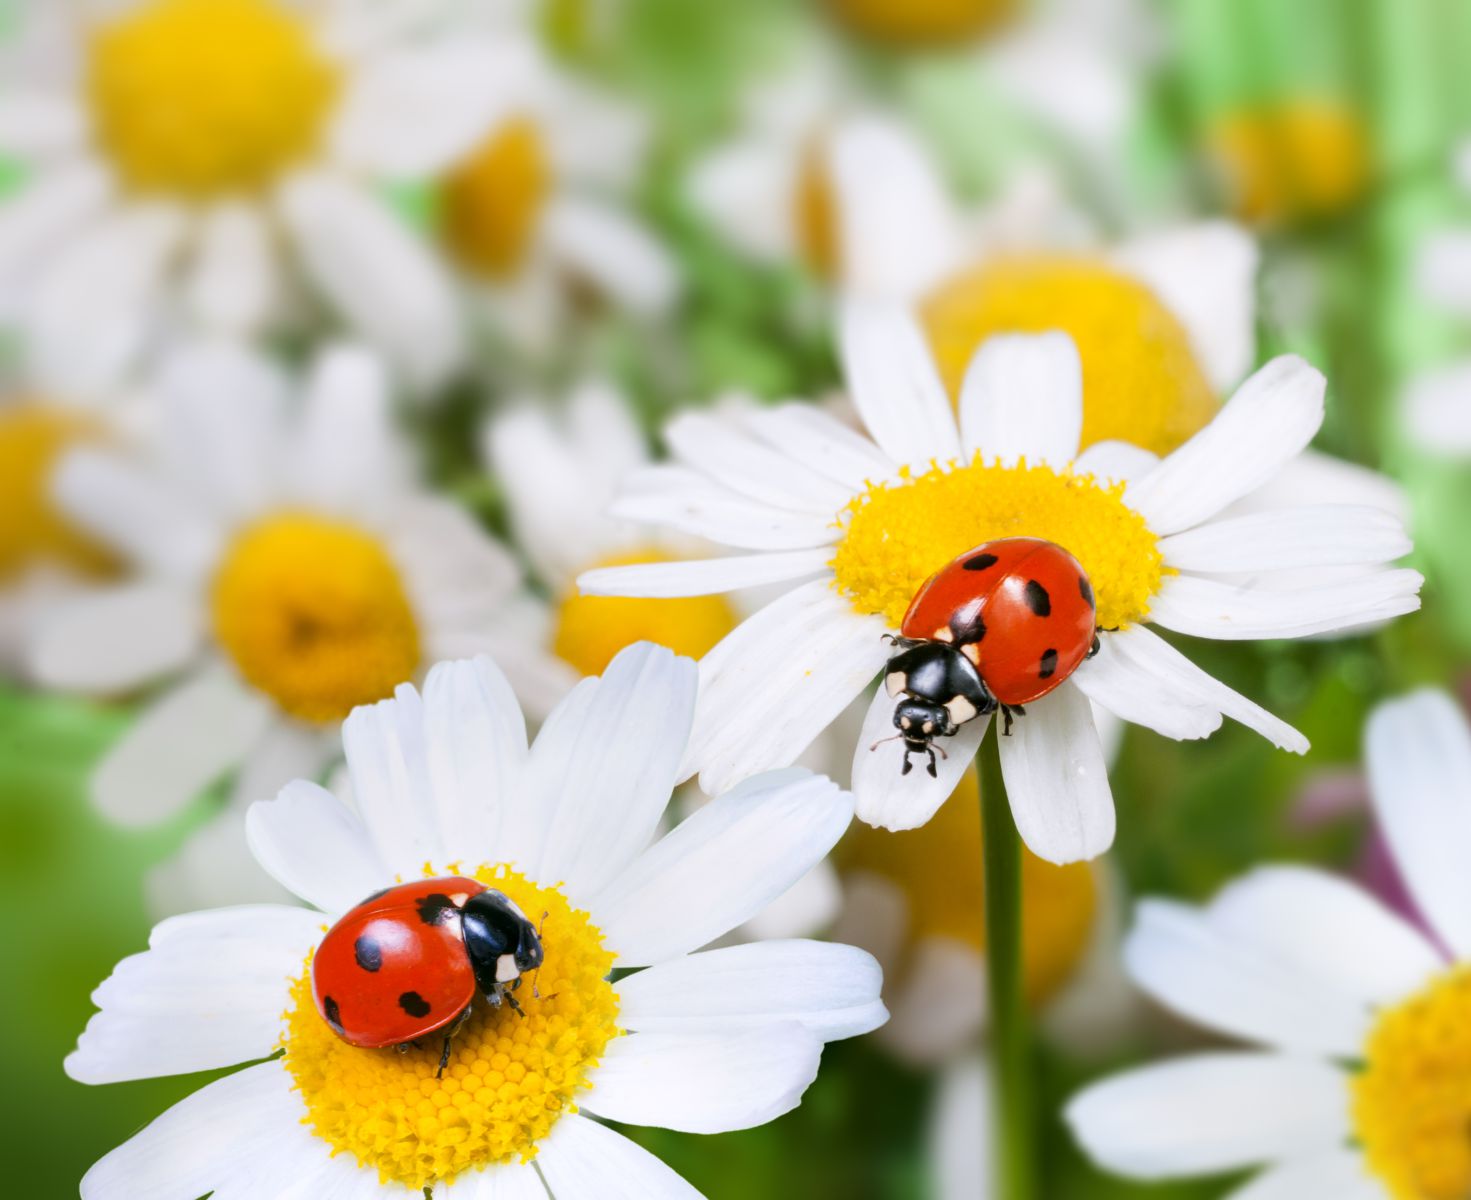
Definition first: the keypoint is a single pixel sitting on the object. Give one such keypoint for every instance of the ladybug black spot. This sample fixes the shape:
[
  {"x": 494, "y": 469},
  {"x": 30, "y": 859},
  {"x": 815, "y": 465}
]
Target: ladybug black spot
[
  {"x": 332, "y": 1012},
  {"x": 979, "y": 562},
  {"x": 368, "y": 953},
  {"x": 436, "y": 909},
  {"x": 968, "y": 633},
  {"x": 1037, "y": 599},
  {"x": 1085, "y": 589},
  {"x": 414, "y": 1004},
  {"x": 1049, "y": 664}
]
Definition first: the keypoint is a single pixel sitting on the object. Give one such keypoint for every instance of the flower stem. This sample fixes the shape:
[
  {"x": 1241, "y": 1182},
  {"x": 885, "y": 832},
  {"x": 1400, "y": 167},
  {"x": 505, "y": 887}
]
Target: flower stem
[{"x": 1014, "y": 1135}]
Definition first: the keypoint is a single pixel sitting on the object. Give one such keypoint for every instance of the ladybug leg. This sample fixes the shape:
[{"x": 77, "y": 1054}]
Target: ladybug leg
[
  {"x": 449, "y": 1038},
  {"x": 515, "y": 1004},
  {"x": 934, "y": 774},
  {"x": 1095, "y": 647}
]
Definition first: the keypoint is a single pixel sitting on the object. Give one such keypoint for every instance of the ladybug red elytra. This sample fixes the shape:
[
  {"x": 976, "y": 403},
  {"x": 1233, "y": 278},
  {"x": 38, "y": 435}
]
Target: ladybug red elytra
[
  {"x": 1000, "y": 626},
  {"x": 408, "y": 961}
]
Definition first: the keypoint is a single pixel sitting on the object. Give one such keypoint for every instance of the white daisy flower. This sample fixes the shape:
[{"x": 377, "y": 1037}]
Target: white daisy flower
[
  {"x": 702, "y": 1042},
  {"x": 1359, "y": 1088},
  {"x": 855, "y": 525},
  {"x": 176, "y": 147},
  {"x": 286, "y": 567}
]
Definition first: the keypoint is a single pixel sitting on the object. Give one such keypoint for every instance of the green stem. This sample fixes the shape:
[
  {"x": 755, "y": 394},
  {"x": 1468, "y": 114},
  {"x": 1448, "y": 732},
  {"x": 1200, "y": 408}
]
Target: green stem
[{"x": 1014, "y": 1126}]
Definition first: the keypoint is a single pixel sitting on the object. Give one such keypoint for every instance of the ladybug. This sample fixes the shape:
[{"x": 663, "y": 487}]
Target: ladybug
[
  {"x": 408, "y": 961},
  {"x": 1000, "y": 626}
]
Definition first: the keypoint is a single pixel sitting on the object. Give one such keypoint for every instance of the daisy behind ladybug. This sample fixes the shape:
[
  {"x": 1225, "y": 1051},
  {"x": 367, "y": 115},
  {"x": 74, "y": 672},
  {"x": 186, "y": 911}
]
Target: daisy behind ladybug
[
  {"x": 999, "y": 627},
  {"x": 408, "y": 961}
]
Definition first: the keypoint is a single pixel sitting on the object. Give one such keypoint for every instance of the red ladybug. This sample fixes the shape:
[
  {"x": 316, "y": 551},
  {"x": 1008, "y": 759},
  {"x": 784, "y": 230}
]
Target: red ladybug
[
  {"x": 1002, "y": 625},
  {"x": 408, "y": 961}
]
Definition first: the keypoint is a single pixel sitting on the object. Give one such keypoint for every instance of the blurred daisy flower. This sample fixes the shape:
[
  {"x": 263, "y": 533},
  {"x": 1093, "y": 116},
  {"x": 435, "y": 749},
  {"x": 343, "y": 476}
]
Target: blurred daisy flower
[
  {"x": 536, "y": 208},
  {"x": 197, "y": 161},
  {"x": 1359, "y": 1090},
  {"x": 703, "y": 1042},
  {"x": 286, "y": 568},
  {"x": 854, "y": 525}
]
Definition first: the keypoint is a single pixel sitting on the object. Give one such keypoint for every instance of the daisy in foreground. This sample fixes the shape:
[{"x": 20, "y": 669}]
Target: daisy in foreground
[
  {"x": 1362, "y": 1088},
  {"x": 286, "y": 568},
  {"x": 856, "y": 525},
  {"x": 446, "y": 785},
  {"x": 178, "y": 146}
]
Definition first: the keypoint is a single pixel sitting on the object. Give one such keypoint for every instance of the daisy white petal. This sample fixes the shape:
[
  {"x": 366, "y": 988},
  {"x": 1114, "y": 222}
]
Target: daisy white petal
[
  {"x": 961, "y": 1157},
  {"x": 1442, "y": 267},
  {"x": 1118, "y": 462},
  {"x": 743, "y": 190},
  {"x": 207, "y": 993},
  {"x": 895, "y": 384},
  {"x": 602, "y": 782},
  {"x": 180, "y": 744},
  {"x": 1057, "y": 780},
  {"x": 57, "y": 204},
  {"x": 1233, "y": 612},
  {"x": 1437, "y": 407},
  {"x": 234, "y": 286},
  {"x": 1340, "y": 1175},
  {"x": 1271, "y": 418},
  {"x": 1206, "y": 274},
  {"x": 808, "y": 435},
  {"x": 702, "y": 577},
  {"x": 376, "y": 273},
  {"x": 809, "y": 639},
  {"x": 213, "y": 867},
  {"x": 1418, "y": 752},
  {"x": 688, "y": 501},
  {"x": 585, "y": 1160},
  {"x": 313, "y": 844},
  {"x": 505, "y": 1181},
  {"x": 830, "y": 989},
  {"x": 1023, "y": 399},
  {"x": 1210, "y": 1113},
  {"x": 1323, "y": 536},
  {"x": 885, "y": 795},
  {"x": 345, "y": 458},
  {"x": 722, "y": 865},
  {"x": 38, "y": 124},
  {"x": 604, "y": 245},
  {"x": 1118, "y": 683},
  {"x": 1176, "y": 955},
  {"x": 875, "y": 917},
  {"x": 116, "y": 638},
  {"x": 806, "y": 908},
  {"x": 705, "y": 1082},
  {"x": 940, "y": 1004},
  {"x": 1315, "y": 478}
]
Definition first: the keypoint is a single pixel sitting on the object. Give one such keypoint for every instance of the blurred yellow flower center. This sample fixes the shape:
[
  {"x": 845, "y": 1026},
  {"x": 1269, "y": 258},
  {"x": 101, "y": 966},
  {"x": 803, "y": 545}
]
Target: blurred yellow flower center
[
  {"x": 590, "y": 630},
  {"x": 816, "y": 214},
  {"x": 509, "y": 1077},
  {"x": 1412, "y": 1101},
  {"x": 491, "y": 203},
  {"x": 911, "y": 23},
  {"x": 314, "y": 613},
  {"x": 896, "y": 535},
  {"x": 203, "y": 97},
  {"x": 940, "y": 873},
  {"x": 1141, "y": 380},
  {"x": 1296, "y": 160},
  {"x": 32, "y": 532}
]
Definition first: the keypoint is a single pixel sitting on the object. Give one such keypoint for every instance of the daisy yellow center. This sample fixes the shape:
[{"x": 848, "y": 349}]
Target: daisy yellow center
[
  {"x": 590, "y": 630},
  {"x": 314, "y": 614},
  {"x": 1142, "y": 382},
  {"x": 491, "y": 203},
  {"x": 204, "y": 97},
  {"x": 1292, "y": 161},
  {"x": 1412, "y": 1101},
  {"x": 896, "y": 535},
  {"x": 937, "y": 868},
  {"x": 816, "y": 216},
  {"x": 903, "y": 24},
  {"x": 32, "y": 531},
  {"x": 509, "y": 1078}
]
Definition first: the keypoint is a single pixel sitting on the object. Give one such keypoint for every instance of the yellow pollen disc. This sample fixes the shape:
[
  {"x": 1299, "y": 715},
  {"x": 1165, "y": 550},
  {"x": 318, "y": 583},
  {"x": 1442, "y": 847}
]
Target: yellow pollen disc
[
  {"x": 1412, "y": 1101},
  {"x": 203, "y": 97},
  {"x": 816, "y": 214},
  {"x": 590, "y": 630},
  {"x": 509, "y": 1077},
  {"x": 492, "y": 202},
  {"x": 896, "y": 535},
  {"x": 1141, "y": 380},
  {"x": 907, "y": 24},
  {"x": 1297, "y": 160},
  {"x": 314, "y": 614},
  {"x": 32, "y": 532},
  {"x": 938, "y": 867}
]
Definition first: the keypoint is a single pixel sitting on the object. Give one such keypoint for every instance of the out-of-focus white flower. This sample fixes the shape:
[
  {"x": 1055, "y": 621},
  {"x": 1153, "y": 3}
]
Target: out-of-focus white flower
[
  {"x": 854, "y": 525},
  {"x": 1358, "y": 1090},
  {"x": 194, "y": 162},
  {"x": 285, "y": 568},
  {"x": 699, "y": 1041}
]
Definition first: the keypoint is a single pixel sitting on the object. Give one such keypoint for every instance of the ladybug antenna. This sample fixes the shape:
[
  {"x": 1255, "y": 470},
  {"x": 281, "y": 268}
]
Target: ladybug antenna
[
  {"x": 881, "y": 741},
  {"x": 940, "y": 750}
]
